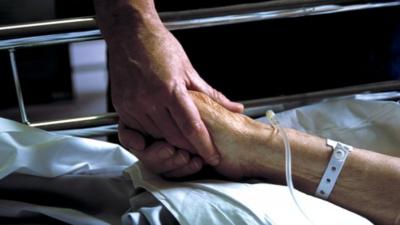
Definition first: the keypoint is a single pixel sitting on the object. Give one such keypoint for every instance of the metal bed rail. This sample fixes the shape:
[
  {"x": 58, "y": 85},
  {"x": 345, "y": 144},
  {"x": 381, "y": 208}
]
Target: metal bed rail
[
  {"x": 84, "y": 29},
  {"x": 253, "y": 108}
]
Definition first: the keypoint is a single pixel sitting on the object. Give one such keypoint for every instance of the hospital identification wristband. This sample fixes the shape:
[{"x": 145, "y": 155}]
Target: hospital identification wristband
[{"x": 332, "y": 171}]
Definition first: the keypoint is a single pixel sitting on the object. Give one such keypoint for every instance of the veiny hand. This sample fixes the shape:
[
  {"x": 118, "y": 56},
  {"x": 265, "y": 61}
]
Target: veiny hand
[
  {"x": 150, "y": 78},
  {"x": 236, "y": 136}
]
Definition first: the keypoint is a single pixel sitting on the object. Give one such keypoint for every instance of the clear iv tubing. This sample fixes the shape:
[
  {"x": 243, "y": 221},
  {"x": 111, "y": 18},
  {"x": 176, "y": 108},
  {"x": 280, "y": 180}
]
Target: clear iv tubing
[{"x": 288, "y": 161}]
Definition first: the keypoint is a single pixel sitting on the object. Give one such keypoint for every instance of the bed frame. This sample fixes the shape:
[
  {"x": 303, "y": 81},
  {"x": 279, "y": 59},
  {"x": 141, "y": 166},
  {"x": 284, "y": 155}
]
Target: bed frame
[{"x": 85, "y": 29}]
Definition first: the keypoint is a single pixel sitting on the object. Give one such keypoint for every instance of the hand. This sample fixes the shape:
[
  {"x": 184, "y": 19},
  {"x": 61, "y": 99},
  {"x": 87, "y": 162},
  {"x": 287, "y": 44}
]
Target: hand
[
  {"x": 241, "y": 141},
  {"x": 150, "y": 78},
  {"x": 160, "y": 157}
]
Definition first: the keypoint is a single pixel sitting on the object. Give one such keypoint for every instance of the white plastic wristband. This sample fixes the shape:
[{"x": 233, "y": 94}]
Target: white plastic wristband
[{"x": 332, "y": 171}]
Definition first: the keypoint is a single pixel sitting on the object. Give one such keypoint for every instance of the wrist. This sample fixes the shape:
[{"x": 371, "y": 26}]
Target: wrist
[
  {"x": 309, "y": 156},
  {"x": 126, "y": 19},
  {"x": 266, "y": 153}
]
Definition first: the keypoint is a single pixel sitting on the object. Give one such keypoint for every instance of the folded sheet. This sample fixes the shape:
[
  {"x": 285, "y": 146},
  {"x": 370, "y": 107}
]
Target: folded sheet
[
  {"x": 51, "y": 179},
  {"x": 224, "y": 202},
  {"x": 35, "y": 152},
  {"x": 29, "y": 151}
]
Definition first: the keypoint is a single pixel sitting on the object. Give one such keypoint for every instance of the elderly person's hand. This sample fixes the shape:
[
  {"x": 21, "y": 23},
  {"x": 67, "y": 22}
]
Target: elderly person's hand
[
  {"x": 150, "y": 78},
  {"x": 368, "y": 180},
  {"x": 240, "y": 140}
]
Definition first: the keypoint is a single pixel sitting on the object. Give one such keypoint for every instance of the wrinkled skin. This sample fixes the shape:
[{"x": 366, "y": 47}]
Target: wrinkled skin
[
  {"x": 235, "y": 136},
  {"x": 150, "y": 79}
]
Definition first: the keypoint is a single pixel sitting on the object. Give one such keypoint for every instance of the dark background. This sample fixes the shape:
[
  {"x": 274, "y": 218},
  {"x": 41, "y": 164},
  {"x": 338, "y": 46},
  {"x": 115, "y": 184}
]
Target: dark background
[{"x": 244, "y": 61}]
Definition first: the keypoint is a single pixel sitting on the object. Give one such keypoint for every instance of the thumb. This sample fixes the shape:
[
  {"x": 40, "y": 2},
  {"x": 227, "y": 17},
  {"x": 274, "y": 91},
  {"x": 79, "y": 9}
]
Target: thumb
[
  {"x": 224, "y": 101},
  {"x": 217, "y": 96}
]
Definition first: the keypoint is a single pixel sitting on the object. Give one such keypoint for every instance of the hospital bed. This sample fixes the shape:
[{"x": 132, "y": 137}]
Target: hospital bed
[
  {"x": 55, "y": 32},
  {"x": 46, "y": 33}
]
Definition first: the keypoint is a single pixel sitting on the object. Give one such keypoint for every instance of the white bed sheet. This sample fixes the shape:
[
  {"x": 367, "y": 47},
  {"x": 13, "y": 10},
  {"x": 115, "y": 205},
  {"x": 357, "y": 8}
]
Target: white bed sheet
[
  {"x": 372, "y": 125},
  {"x": 34, "y": 152}
]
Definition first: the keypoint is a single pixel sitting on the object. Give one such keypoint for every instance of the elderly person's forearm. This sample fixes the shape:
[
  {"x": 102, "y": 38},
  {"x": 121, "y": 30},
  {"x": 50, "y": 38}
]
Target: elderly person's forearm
[{"x": 368, "y": 184}]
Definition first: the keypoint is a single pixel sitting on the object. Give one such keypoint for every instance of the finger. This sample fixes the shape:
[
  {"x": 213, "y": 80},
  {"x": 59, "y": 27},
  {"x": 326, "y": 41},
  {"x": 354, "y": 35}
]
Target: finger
[
  {"x": 148, "y": 125},
  {"x": 186, "y": 115},
  {"x": 194, "y": 166},
  {"x": 168, "y": 128},
  {"x": 142, "y": 122},
  {"x": 155, "y": 156},
  {"x": 161, "y": 160},
  {"x": 202, "y": 86},
  {"x": 130, "y": 122},
  {"x": 180, "y": 159},
  {"x": 224, "y": 101},
  {"x": 129, "y": 138}
]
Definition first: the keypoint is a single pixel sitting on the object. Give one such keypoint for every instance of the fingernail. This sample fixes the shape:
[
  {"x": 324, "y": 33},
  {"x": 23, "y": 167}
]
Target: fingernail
[
  {"x": 214, "y": 160},
  {"x": 181, "y": 159},
  {"x": 197, "y": 164},
  {"x": 166, "y": 152},
  {"x": 240, "y": 107}
]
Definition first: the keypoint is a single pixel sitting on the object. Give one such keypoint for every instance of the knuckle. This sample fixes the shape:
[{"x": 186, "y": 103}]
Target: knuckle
[
  {"x": 164, "y": 88},
  {"x": 165, "y": 152},
  {"x": 217, "y": 96},
  {"x": 177, "y": 88},
  {"x": 171, "y": 84},
  {"x": 181, "y": 158},
  {"x": 193, "y": 129}
]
